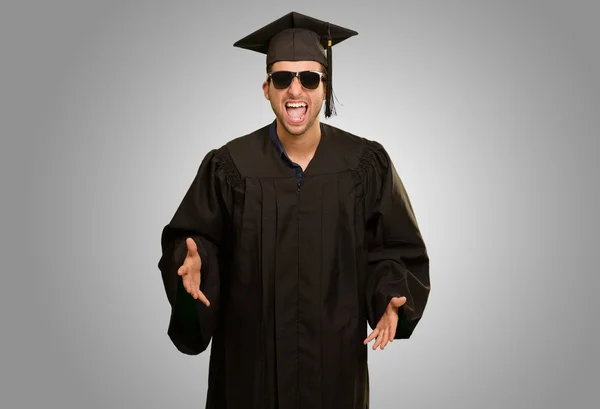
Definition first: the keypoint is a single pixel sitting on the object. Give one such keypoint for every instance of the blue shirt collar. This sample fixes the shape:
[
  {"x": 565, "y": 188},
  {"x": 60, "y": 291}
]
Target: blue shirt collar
[
  {"x": 275, "y": 139},
  {"x": 277, "y": 143}
]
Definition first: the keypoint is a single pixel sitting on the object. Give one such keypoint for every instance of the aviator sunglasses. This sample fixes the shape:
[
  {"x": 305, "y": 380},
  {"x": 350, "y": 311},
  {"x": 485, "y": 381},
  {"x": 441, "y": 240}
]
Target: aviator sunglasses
[{"x": 308, "y": 79}]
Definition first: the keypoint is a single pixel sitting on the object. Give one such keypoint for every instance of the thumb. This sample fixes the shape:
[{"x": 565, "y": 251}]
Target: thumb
[
  {"x": 398, "y": 301},
  {"x": 191, "y": 245}
]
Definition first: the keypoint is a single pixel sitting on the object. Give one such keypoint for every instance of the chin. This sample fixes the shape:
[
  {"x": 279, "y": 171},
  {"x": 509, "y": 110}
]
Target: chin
[{"x": 297, "y": 127}]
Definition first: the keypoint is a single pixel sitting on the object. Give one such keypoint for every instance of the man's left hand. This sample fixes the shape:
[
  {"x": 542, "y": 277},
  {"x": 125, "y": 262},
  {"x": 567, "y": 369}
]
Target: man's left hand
[{"x": 386, "y": 328}]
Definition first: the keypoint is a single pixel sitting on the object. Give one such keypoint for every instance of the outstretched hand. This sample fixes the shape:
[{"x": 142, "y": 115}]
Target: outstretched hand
[
  {"x": 386, "y": 328},
  {"x": 190, "y": 272}
]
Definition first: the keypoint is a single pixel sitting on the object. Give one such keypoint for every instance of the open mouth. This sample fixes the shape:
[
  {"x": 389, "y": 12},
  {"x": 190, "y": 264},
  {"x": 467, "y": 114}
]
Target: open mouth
[{"x": 296, "y": 111}]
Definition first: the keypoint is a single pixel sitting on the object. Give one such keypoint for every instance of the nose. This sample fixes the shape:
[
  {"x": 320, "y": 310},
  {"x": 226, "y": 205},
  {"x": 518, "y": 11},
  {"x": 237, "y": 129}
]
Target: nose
[{"x": 295, "y": 87}]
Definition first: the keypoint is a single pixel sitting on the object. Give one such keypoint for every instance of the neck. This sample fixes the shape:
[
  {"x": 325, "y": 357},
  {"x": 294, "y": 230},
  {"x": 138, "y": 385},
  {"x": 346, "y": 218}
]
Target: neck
[{"x": 302, "y": 146}]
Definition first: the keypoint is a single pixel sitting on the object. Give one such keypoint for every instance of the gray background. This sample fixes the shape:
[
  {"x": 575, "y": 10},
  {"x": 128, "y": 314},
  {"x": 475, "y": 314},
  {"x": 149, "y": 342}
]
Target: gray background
[{"x": 490, "y": 111}]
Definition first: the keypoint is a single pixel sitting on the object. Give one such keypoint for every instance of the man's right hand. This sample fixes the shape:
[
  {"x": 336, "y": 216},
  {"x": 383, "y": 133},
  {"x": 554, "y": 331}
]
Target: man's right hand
[{"x": 190, "y": 272}]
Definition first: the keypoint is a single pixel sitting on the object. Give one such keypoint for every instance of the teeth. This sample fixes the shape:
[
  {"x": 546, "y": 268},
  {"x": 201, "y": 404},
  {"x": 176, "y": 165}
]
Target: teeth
[{"x": 295, "y": 105}]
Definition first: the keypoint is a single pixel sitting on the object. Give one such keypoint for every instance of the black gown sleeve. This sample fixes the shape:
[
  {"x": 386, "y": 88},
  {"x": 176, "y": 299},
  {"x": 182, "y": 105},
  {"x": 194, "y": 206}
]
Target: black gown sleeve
[
  {"x": 398, "y": 263},
  {"x": 201, "y": 215}
]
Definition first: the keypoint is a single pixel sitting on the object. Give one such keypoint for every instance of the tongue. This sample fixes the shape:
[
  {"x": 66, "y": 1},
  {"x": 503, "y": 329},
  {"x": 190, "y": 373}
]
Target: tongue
[{"x": 296, "y": 113}]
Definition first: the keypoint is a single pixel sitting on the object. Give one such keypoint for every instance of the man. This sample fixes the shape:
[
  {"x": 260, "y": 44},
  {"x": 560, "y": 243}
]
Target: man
[{"x": 289, "y": 241}]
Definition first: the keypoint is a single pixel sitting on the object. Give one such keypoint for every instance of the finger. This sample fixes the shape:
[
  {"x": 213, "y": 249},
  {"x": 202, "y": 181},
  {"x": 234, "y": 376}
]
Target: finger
[
  {"x": 387, "y": 339},
  {"x": 186, "y": 284},
  {"x": 196, "y": 287},
  {"x": 203, "y": 298},
  {"x": 394, "y": 328},
  {"x": 191, "y": 245},
  {"x": 372, "y": 336},
  {"x": 379, "y": 339},
  {"x": 198, "y": 294},
  {"x": 193, "y": 290},
  {"x": 384, "y": 338}
]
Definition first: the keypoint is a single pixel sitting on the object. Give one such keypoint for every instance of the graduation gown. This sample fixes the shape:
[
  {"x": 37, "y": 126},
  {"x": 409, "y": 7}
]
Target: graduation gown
[{"x": 294, "y": 270}]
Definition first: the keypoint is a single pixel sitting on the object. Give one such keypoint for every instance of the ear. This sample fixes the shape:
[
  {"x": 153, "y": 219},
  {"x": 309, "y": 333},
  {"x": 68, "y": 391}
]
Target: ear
[{"x": 265, "y": 88}]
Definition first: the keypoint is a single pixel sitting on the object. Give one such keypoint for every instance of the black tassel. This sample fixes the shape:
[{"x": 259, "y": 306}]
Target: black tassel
[{"x": 329, "y": 106}]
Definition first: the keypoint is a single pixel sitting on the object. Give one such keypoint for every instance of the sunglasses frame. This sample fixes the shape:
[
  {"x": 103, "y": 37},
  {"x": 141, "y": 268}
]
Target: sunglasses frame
[{"x": 296, "y": 74}]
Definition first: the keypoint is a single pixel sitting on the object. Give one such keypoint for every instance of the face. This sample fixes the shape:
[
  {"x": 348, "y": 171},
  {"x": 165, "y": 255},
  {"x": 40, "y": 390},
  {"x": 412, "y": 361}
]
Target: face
[{"x": 296, "y": 121}]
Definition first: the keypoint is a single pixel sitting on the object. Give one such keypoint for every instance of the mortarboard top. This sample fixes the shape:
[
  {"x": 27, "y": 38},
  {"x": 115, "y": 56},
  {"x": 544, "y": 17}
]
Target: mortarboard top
[{"x": 296, "y": 37}]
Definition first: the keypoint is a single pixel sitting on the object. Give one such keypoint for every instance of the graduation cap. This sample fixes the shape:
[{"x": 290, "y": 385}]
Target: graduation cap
[{"x": 296, "y": 37}]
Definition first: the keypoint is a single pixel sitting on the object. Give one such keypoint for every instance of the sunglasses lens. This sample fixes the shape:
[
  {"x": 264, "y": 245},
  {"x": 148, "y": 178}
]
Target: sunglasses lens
[
  {"x": 309, "y": 79},
  {"x": 282, "y": 79}
]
